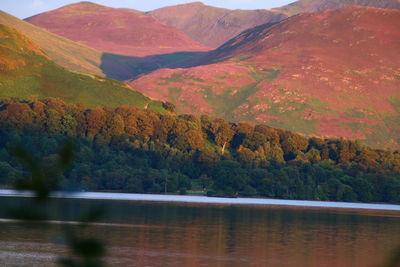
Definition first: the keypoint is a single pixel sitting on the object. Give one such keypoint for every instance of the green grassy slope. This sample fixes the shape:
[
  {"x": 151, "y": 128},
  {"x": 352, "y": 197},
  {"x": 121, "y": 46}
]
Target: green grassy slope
[
  {"x": 67, "y": 53},
  {"x": 26, "y": 71}
]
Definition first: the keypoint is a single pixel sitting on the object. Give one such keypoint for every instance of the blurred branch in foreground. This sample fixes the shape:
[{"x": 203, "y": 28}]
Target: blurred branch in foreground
[
  {"x": 394, "y": 259},
  {"x": 42, "y": 179}
]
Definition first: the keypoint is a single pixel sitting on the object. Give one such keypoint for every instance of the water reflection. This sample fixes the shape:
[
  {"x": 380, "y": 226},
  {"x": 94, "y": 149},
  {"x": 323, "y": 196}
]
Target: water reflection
[{"x": 178, "y": 235}]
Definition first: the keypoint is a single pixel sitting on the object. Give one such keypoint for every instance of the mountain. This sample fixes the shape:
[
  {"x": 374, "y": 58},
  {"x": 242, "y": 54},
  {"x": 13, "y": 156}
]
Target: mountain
[
  {"x": 331, "y": 73},
  {"x": 65, "y": 52},
  {"x": 117, "y": 31},
  {"x": 81, "y": 58},
  {"x": 213, "y": 26},
  {"x": 302, "y": 6},
  {"x": 27, "y": 71}
]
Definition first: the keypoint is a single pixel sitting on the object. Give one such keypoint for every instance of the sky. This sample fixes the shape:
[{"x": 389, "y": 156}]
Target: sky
[{"x": 26, "y": 8}]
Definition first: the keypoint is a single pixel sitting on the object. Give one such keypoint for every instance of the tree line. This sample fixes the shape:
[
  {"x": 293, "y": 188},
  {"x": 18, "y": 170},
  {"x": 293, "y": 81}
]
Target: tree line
[{"x": 134, "y": 150}]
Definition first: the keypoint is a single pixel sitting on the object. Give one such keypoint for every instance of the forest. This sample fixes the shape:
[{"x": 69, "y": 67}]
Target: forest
[{"x": 127, "y": 149}]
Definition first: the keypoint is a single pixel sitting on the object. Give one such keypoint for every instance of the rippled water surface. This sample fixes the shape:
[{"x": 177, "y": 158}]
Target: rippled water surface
[{"x": 173, "y": 234}]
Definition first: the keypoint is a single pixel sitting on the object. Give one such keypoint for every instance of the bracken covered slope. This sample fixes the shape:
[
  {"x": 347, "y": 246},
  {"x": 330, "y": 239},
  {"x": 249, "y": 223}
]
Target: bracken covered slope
[
  {"x": 331, "y": 73},
  {"x": 319, "y": 5},
  {"x": 63, "y": 51},
  {"x": 25, "y": 71},
  {"x": 210, "y": 25},
  {"x": 118, "y": 31}
]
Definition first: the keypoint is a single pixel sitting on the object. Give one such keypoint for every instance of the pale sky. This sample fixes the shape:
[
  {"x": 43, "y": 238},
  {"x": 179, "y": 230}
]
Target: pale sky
[{"x": 27, "y": 8}]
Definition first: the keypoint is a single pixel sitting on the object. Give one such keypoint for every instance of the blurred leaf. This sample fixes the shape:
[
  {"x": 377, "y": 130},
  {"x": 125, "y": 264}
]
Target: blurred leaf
[
  {"x": 36, "y": 180},
  {"x": 66, "y": 155},
  {"x": 394, "y": 260},
  {"x": 93, "y": 215},
  {"x": 66, "y": 262},
  {"x": 44, "y": 177},
  {"x": 88, "y": 248}
]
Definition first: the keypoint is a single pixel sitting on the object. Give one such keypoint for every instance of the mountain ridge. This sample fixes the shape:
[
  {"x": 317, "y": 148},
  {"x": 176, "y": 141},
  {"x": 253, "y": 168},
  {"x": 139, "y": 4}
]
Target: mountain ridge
[
  {"x": 302, "y": 6},
  {"x": 112, "y": 30},
  {"x": 212, "y": 26}
]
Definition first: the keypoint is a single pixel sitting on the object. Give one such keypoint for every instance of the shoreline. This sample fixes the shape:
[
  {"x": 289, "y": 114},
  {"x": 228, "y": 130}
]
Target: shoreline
[{"x": 185, "y": 199}]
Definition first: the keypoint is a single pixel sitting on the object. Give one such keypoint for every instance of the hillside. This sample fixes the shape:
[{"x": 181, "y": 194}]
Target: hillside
[
  {"x": 81, "y": 58},
  {"x": 332, "y": 73},
  {"x": 67, "y": 53},
  {"x": 117, "y": 31},
  {"x": 26, "y": 71},
  {"x": 302, "y": 6},
  {"x": 213, "y": 26}
]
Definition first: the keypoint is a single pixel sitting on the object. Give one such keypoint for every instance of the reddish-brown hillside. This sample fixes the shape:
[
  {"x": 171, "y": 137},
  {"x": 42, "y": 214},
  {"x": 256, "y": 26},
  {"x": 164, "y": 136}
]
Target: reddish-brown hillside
[
  {"x": 213, "y": 26},
  {"x": 118, "y": 31},
  {"x": 332, "y": 73},
  {"x": 319, "y": 5}
]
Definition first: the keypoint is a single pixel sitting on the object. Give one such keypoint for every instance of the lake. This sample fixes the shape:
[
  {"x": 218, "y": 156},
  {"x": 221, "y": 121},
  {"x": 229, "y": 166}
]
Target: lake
[{"x": 143, "y": 232}]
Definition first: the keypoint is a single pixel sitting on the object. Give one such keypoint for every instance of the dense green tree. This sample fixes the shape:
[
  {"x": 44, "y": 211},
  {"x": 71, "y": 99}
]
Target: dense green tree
[{"x": 133, "y": 150}]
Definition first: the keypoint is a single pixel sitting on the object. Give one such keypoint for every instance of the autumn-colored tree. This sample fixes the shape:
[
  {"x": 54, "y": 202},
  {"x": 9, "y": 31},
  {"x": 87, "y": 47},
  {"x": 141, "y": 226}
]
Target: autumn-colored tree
[
  {"x": 81, "y": 127},
  {"x": 37, "y": 107},
  {"x": 313, "y": 155},
  {"x": 325, "y": 153},
  {"x": 163, "y": 128},
  {"x": 270, "y": 133},
  {"x": 126, "y": 111},
  {"x": 20, "y": 113},
  {"x": 345, "y": 154},
  {"x": 114, "y": 125},
  {"x": 367, "y": 157},
  {"x": 169, "y": 106},
  {"x": 53, "y": 121},
  {"x": 206, "y": 155},
  {"x": 244, "y": 128},
  {"x": 206, "y": 125},
  {"x": 317, "y": 143},
  {"x": 56, "y": 104},
  {"x": 246, "y": 155},
  {"x": 68, "y": 125},
  {"x": 292, "y": 144},
  {"x": 183, "y": 146},
  {"x": 254, "y": 140},
  {"x": 192, "y": 121},
  {"x": 195, "y": 139},
  {"x": 145, "y": 125},
  {"x": 223, "y": 133},
  {"x": 95, "y": 119}
]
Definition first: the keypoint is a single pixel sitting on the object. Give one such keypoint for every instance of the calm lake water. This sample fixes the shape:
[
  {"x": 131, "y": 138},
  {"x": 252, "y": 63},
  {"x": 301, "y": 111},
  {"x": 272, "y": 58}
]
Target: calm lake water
[{"x": 174, "y": 234}]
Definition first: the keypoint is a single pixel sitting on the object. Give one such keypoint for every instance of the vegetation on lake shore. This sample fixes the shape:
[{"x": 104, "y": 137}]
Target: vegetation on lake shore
[{"x": 134, "y": 150}]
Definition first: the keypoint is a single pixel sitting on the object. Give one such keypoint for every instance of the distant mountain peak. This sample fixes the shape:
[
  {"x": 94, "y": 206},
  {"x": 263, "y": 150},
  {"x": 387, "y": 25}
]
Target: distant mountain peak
[
  {"x": 83, "y": 5},
  {"x": 213, "y": 26},
  {"x": 115, "y": 30},
  {"x": 197, "y": 3}
]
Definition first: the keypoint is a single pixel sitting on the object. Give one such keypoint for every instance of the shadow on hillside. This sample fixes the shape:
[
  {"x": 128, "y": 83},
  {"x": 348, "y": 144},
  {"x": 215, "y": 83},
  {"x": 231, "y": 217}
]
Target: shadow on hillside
[{"x": 121, "y": 68}]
